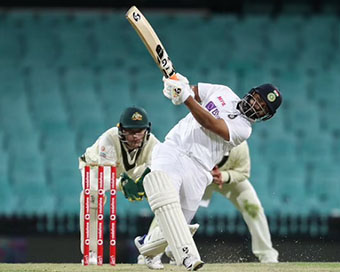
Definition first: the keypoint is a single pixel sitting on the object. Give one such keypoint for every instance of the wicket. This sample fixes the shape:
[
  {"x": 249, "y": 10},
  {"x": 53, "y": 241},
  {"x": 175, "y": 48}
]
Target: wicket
[{"x": 113, "y": 215}]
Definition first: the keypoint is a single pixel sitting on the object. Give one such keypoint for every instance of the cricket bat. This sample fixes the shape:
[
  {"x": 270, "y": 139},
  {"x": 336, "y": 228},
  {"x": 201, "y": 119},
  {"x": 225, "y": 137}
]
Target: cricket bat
[{"x": 151, "y": 41}]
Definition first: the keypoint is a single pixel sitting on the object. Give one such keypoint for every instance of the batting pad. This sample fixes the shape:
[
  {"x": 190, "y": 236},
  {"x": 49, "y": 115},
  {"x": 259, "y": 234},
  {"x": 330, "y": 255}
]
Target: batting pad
[
  {"x": 164, "y": 202},
  {"x": 155, "y": 243},
  {"x": 93, "y": 221}
]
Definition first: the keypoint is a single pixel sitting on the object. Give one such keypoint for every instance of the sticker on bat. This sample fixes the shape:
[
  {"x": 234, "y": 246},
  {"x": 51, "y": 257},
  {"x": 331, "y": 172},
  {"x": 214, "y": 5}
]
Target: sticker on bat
[
  {"x": 164, "y": 60},
  {"x": 136, "y": 16}
]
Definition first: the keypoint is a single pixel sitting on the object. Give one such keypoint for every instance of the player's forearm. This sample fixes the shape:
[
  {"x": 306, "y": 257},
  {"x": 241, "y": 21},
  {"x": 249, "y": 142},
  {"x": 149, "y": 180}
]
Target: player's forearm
[
  {"x": 206, "y": 120},
  {"x": 232, "y": 176}
]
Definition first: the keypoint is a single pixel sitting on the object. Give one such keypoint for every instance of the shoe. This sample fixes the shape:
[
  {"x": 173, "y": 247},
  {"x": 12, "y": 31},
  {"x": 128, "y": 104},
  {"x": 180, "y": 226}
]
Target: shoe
[
  {"x": 269, "y": 257},
  {"x": 154, "y": 262},
  {"x": 193, "y": 228},
  {"x": 169, "y": 254},
  {"x": 150, "y": 262},
  {"x": 92, "y": 258},
  {"x": 140, "y": 259},
  {"x": 139, "y": 241},
  {"x": 192, "y": 263},
  {"x": 172, "y": 262},
  {"x": 268, "y": 260}
]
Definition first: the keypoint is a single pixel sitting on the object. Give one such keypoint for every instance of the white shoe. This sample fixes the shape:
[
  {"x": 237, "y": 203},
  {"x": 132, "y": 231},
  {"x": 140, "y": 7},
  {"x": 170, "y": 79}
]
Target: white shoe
[
  {"x": 268, "y": 260},
  {"x": 92, "y": 258},
  {"x": 139, "y": 241},
  {"x": 150, "y": 262},
  {"x": 192, "y": 263},
  {"x": 169, "y": 254},
  {"x": 154, "y": 262},
  {"x": 140, "y": 259},
  {"x": 269, "y": 257},
  {"x": 193, "y": 228}
]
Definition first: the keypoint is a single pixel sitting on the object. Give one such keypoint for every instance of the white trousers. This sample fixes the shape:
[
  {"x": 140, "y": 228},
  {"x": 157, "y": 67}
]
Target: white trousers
[{"x": 187, "y": 176}]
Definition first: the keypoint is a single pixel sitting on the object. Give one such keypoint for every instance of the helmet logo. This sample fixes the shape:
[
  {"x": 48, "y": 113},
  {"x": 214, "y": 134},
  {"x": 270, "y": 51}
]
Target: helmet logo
[
  {"x": 272, "y": 96},
  {"x": 136, "y": 116}
]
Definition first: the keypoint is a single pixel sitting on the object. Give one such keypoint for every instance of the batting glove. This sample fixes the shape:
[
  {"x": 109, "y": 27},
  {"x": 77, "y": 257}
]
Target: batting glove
[{"x": 177, "y": 90}]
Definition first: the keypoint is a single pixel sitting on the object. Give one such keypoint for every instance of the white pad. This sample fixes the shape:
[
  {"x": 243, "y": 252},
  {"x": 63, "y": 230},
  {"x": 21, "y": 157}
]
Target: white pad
[
  {"x": 164, "y": 202},
  {"x": 93, "y": 221},
  {"x": 155, "y": 243}
]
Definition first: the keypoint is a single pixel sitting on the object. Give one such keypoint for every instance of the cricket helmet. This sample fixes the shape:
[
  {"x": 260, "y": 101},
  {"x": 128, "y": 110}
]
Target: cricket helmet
[
  {"x": 134, "y": 118},
  {"x": 269, "y": 94}
]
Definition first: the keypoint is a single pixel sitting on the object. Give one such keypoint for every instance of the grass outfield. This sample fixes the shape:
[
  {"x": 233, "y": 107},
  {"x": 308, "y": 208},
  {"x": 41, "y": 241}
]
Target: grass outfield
[{"x": 239, "y": 267}]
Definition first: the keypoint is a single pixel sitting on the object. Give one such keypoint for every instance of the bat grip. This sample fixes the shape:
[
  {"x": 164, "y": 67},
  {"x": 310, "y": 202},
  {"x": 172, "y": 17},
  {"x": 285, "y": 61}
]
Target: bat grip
[{"x": 174, "y": 77}]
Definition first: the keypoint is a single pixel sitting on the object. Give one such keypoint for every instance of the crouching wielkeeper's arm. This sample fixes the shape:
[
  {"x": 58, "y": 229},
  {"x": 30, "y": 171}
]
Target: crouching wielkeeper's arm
[{"x": 133, "y": 189}]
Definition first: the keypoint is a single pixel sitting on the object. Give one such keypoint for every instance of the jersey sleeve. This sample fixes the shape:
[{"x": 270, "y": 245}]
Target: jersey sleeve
[
  {"x": 205, "y": 90},
  {"x": 239, "y": 130},
  {"x": 106, "y": 150}
]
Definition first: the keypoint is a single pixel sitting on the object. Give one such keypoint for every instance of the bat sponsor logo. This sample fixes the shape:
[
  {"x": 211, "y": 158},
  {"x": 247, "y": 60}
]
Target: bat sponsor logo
[
  {"x": 159, "y": 51},
  {"x": 185, "y": 249},
  {"x": 136, "y": 16},
  {"x": 164, "y": 61}
]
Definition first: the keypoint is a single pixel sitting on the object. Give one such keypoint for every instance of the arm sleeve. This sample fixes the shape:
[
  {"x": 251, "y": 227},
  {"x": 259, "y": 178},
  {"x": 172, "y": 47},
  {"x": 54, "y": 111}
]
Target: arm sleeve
[
  {"x": 106, "y": 150},
  {"x": 237, "y": 168}
]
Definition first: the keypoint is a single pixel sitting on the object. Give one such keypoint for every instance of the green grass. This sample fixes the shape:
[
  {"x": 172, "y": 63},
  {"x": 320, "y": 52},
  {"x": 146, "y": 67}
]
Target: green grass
[{"x": 225, "y": 267}]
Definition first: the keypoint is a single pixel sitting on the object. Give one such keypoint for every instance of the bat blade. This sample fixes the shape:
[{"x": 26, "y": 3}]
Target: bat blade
[{"x": 151, "y": 41}]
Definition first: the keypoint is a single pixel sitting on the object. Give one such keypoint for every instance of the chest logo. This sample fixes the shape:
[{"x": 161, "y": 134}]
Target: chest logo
[{"x": 221, "y": 100}]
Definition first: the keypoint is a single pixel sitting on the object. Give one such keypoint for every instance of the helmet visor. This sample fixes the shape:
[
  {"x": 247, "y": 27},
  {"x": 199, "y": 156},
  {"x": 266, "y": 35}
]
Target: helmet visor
[
  {"x": 254, "y": 108},
  {"x": 133, "y": 138}
]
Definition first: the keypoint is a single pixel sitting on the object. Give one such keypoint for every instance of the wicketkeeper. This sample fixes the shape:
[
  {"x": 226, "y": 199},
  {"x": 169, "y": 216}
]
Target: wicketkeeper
[{"x": 127, "y": 146}]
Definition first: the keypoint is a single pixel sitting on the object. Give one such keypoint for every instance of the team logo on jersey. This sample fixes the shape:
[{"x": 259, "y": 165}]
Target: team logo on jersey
[
  {"x": 211, "y": 107},
  {"x": 272, "y": 96},
  {"x": 136, "y": 116}
]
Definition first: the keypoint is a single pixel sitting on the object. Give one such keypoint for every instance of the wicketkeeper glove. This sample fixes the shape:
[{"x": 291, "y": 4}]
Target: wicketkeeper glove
[
  {"x": 133, "y": 189},
  {"x": 130, "y": 188},
  {"x": 177, "y": 90},
  {"x": 140, "y": 180}
]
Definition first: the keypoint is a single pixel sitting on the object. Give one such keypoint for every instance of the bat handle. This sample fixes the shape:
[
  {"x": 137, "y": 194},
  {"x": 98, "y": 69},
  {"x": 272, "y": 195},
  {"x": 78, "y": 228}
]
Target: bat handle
[{"x": 174, "y": 77}]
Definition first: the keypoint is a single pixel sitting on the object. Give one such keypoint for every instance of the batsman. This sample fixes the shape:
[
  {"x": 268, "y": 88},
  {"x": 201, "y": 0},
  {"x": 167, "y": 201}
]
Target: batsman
[{"x": 127, "y": 146}]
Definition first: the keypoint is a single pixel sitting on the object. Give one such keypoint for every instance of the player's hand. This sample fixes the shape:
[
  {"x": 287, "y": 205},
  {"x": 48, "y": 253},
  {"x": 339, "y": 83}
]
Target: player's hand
[
  {"x": 140, "y": 181},
  {"x": 217, "y": 177},
  {"x": 177, "y": 90},
  {"x": 130, "y": 188}
]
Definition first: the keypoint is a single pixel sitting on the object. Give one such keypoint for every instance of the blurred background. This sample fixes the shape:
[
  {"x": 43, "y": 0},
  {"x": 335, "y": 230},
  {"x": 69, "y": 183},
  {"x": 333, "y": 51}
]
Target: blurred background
[{"x": 68, "y": 69}]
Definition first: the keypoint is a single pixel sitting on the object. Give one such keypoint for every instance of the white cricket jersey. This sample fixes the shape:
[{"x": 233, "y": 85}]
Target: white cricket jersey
[
  {"x": 200, "y": 143},
  {"x": 108, "y": 150}
]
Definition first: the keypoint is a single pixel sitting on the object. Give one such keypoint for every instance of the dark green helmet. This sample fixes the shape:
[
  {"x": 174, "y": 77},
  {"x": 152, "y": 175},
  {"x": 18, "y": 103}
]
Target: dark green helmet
[{"x": 134, "y": 118}]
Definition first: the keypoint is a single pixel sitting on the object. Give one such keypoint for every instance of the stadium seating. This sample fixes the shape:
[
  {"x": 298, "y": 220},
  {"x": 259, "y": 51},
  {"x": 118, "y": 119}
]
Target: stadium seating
[{"x": 67, "y": 75}]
